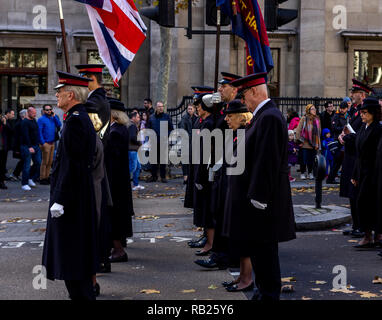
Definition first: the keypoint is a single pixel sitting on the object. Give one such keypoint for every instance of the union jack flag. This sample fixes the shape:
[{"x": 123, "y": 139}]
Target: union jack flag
[{"x": 118, "y": 31}]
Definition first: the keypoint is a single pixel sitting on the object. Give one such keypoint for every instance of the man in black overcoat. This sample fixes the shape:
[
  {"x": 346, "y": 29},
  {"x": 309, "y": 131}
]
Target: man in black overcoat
[
  {"x": 359, "y": 92},
  {"x": 261, "y": 194},
  {"x": 98, "y": 108},
  {"x": 70, "y": 251},
  {"x": 190, "y": 187}
]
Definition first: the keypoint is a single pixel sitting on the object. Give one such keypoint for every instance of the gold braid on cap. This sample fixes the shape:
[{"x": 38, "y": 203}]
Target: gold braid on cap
[{"x": 97, "y": 123}]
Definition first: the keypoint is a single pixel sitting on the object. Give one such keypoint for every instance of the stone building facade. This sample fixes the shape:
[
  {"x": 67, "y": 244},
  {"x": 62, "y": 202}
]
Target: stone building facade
[{"x": 318, "y": 54}]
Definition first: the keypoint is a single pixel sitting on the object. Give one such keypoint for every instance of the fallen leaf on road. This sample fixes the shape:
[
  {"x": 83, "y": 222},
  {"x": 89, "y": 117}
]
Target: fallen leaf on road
[
  {"x": 168, "y": 225},
  {"x": 38, "y": 230},
  {"x": 367, "y": 294},
  {"x": 212, "y": 287},
  {"x": 149, "y": 291},
  {"x": 336, "y": 230},
  {"x": 188, "y": 291},
  {"x": 168, "y": 235},
  {"x": 342, "y": 290},
  {"x": 2, "y": 230},
  {"x": 320, "y": 282},
  {"x": 354, "y": 241},
  {"x": 288, "y": 279},
  {"x": 316, "y": 289},
  {"x": 146, "y": 217},
  {"x": 287, "y": 288},
  {"x": 159, "y": 237},
  {"x": 377, "y": 280},
  {"x": 305, "y": 298}
]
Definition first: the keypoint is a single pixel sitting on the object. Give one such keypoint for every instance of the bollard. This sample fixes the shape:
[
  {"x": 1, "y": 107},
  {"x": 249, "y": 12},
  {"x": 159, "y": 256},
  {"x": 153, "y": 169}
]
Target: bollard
[{"x": 319, "y": 173}]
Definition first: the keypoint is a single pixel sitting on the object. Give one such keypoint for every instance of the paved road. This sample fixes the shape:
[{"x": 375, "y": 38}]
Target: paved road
[{"x": 160, "y": 259}]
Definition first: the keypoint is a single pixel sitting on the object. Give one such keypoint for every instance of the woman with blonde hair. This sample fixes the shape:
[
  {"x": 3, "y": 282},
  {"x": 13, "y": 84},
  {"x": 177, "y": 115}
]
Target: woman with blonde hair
[
  {"x": 237, "y": 117},
  {"x": 117, "y": 165},
  {"x": 308, "y": 132}
]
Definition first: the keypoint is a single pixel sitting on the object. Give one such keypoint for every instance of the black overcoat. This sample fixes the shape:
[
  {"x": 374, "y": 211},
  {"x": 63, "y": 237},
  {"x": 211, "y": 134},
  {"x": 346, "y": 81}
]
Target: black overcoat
[
  {"x": 189, "y": 194},
  {"x": 219, "y": 185},
  {"x": 203, "y": 216},
  {"x": 378, "y": 177},
  {"x": 70, "y": 251},
  {"x": 346, "y": 187},
  {"x": 265, "y": 179},
  {"x": 98, "y": 98},
  {"x": 364, "y": 173},
  {"x": 118, "y": 173}
]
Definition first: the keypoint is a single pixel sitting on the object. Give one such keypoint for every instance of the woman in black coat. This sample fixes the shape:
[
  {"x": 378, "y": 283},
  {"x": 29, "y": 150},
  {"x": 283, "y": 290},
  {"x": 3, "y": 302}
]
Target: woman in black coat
[
  {"x": 117, "y": 167},
  {"x": 237, "y": 117},
  {"x": 364, "y": 173}
]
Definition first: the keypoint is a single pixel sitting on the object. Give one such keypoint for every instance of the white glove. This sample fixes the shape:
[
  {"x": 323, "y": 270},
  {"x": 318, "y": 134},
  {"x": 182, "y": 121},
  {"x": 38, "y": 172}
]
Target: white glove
[
  {"x": 258, "y": 205},
  {"x": 56, "y": 210},
  {"x": 199, "y": 186},
  {"x": 207, "y": 100},
  {"x": 216, "y": 97}
]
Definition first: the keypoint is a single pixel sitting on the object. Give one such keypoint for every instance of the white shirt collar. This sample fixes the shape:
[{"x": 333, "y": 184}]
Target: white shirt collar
[{"x": 260, "y": 106}]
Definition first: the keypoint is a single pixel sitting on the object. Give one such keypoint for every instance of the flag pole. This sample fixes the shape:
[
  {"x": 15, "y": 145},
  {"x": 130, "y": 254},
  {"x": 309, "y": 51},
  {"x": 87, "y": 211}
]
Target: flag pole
[
  {"x": 217, "y": 48},
  {"x": 64, "y": 36}
]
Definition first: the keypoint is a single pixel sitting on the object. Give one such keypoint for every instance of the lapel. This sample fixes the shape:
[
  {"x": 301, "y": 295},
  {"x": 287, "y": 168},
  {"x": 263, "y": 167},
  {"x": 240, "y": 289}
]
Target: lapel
[
  {"x": 267, "y": 106},
  {"x": 364, "y": 135}
]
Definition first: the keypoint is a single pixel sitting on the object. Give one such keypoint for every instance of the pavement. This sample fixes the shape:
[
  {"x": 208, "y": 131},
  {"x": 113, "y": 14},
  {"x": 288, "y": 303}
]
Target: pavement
[{"x": 161, "y": 266}]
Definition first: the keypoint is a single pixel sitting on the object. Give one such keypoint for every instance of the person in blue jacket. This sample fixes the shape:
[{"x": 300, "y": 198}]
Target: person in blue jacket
[
  {"x": 326, "y": 139},
  {"x": 48, "y": 125}
]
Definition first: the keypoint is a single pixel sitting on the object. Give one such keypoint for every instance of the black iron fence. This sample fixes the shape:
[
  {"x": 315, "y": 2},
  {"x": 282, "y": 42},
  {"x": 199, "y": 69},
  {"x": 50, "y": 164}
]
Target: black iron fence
[{"x": 284, "y": 103}]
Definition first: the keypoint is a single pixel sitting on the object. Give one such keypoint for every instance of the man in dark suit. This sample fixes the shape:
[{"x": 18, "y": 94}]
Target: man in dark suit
[
  {"x": 261, "y": 194},
  {"x": 359, "y": 92},
  {"x": 97, "y": 97},
  {"x": 70, "y": 250}
]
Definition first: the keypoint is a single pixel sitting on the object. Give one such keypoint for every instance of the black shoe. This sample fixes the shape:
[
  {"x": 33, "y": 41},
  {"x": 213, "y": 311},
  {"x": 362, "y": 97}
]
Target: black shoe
[
  {"x": 235, "y": 288},
  {"x": 44, "y": 182},
  {"x": 229, "y": 283},
  {"x": 347, "y": 232},
  {"x": 96, "y": 289},
  {"x": 369, "y": 245},
  {"x": 199, "y": 244},
  {"x": 105, "y": 267},
  {"x": 211, "y": 263},
  {"x": 152, "y": 179},
  {"x": 3, "y": 186},
  {"x": 357, "y": 233},
  {"x": 122, "y": 258},
  {"x": 201, "y": 253},
  {"x": 163, "y": 180},
  {"x": 195, "y": 240}
]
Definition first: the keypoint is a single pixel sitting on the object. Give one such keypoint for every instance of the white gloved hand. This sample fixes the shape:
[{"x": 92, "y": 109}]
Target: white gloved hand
[
  {"x": 56, "y": 210},
  {"x": 216, "y": 97},
  {"x": 199, "y": 186},
  {"x": 258, "y": 205},
  {"x": 207, "y": 100}
]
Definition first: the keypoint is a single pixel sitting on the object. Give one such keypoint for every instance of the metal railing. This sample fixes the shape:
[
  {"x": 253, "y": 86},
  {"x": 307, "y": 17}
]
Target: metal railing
[{"x": 298, "y": 104}]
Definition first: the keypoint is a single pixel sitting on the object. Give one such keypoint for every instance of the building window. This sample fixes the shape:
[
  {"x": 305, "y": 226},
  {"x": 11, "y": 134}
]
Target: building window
[
  {"x": 108, "y": 83},
  {"x": 23, "y": 59},
  {"x": 23, "y": 75},
  {"x": 368, "y": 67},
  {"x": 274, "y": 74}
]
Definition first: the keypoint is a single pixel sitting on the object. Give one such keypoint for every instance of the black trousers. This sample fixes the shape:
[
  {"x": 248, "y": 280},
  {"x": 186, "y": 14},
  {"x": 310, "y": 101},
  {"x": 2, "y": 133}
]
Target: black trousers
[
  {"x": 266, "y": 266},
  {"x": 354, "y": 214},
  {"x": 3, "y": 164},
  {"x": 18, "y": 168},
  {"x": 80, "y": 289},
  {"x": 162, "y": 167},
  {"x": 336, "y": 166}
]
